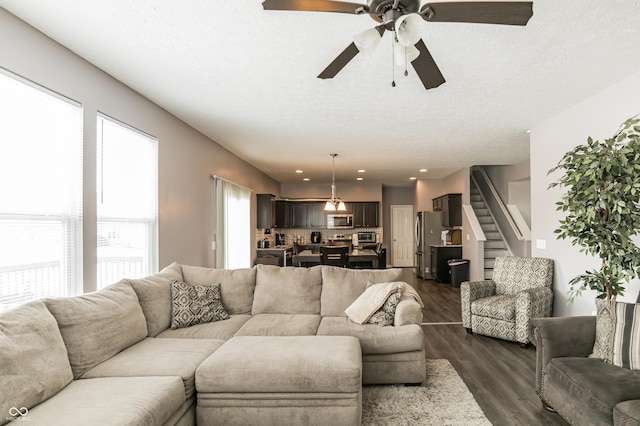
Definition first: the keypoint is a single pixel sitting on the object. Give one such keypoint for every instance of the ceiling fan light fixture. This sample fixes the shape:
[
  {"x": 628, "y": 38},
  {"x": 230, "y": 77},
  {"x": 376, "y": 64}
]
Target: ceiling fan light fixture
[
  {"x": 405, "y": 54},
  {"x": 367, "y": 41},
  {"x": 408, "y": 29}
]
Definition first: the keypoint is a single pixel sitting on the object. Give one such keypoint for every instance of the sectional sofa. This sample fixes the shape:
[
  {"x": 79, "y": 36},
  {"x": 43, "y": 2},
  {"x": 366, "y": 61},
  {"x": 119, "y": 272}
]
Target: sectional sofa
[{"x": 111, "y": 357}]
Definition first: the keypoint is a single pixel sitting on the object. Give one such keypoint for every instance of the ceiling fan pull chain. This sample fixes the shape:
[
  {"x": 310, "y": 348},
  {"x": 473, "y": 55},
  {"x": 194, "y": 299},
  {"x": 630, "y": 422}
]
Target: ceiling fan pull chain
[
  {"x": 393, "y": 61},
  {"x": 406, "y": 72}
]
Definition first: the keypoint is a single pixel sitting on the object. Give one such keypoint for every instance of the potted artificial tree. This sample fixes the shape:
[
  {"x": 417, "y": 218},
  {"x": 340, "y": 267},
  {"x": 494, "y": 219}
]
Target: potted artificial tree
[{"x": 602, "y": 204}]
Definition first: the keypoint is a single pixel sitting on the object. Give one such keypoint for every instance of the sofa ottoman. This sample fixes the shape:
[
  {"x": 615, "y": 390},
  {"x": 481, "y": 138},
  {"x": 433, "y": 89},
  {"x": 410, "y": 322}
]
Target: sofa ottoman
[{"x": 277, "y": 380}]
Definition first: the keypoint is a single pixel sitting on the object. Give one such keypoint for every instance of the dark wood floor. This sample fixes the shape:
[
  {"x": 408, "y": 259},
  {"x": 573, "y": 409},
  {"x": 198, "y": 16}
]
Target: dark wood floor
[{"x": 499, "y": 374}]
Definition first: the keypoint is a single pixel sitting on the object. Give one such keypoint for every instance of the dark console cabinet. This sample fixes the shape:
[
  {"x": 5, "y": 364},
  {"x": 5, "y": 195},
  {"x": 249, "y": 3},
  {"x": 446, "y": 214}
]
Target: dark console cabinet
[{"x": 440, "y": 255}]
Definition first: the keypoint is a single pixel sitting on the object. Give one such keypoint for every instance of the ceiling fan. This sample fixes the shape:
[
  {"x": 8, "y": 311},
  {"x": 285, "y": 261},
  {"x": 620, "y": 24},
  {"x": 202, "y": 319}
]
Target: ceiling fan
[{"x": 404, "y": 17}]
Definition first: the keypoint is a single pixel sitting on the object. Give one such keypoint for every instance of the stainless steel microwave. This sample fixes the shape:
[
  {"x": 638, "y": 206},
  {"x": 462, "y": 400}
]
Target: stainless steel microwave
[{"x": 339, "y": 221}]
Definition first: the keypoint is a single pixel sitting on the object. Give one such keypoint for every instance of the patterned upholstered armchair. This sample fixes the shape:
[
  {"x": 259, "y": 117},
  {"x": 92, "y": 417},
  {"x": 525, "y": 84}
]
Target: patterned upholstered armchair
[{"x": 501, "y": 307}]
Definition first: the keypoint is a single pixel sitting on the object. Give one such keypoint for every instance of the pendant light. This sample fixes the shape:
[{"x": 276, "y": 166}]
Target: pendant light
[{"x": 334, "y": 203}]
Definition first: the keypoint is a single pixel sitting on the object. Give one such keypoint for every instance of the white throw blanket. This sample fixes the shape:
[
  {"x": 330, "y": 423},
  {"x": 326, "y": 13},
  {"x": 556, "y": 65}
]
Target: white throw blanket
[{"x": 374, "y": 297}]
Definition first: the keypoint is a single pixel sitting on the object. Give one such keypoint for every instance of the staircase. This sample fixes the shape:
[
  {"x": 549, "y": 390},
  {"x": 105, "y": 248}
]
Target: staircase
[{"x": 494, "y": 245}]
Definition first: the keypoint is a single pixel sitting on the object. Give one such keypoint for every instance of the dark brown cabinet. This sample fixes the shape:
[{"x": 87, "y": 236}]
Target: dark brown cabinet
[
  {"x": 308, "y": 215},
  {"x": 266, "y": 210},
  {"x": 451, "y": 207},
  {"x": 365, "y": 215},
  {"x": 283, "y": 214}
]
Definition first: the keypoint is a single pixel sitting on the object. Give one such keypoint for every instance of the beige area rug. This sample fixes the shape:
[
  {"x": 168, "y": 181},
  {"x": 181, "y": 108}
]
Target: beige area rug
[{"x": 443, "y": 399}]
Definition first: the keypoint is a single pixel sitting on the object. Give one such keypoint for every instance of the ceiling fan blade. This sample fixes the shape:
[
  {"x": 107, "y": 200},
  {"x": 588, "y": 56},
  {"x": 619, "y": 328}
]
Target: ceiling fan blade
[
  {"x": 344, "y": 58},
  {"x": 426, "y": 68},
  {"x": 312, "y": 5},
  {"x": 482, "y": 12},
  {"x": 340, "y": 62}
]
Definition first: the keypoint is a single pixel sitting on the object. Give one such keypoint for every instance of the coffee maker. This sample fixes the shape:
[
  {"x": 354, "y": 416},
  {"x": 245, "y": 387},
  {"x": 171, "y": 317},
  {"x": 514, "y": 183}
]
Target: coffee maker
[
  {"x": 280, "y": 239},
  {"x": 316, "y": 237}
]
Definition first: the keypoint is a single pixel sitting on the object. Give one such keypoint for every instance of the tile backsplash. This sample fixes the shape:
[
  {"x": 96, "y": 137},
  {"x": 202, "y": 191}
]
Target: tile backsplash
[{"x": 304, "y": 234}]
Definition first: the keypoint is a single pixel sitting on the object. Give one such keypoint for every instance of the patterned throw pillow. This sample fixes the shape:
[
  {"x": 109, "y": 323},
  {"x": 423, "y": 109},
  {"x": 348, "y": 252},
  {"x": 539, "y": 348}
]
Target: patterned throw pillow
[
  {"x": 604, "y": 331},
  {"x": 626, "y": 336},
  {"x": 195, "y": 304},
  {"x": 386, "y": 314}
]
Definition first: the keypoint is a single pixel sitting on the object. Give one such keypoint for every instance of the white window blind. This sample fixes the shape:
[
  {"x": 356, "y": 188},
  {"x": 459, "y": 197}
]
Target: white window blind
[
  {"x": 40, "y": 193},
  {"x": 232, "y": 225},
  {"x": 127, "y": 202}
]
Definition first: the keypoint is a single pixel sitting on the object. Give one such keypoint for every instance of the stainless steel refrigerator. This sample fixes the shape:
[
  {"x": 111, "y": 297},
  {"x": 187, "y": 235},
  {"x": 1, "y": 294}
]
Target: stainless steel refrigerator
[{"x": 428, "y": 231}]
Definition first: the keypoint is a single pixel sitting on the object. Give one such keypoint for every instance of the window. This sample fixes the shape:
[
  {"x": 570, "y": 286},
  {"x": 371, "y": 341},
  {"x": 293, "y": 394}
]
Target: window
[
  {"x": 127, "y": 202},
  {"x": 232, "y": 223},
  {"x": 40, "y": 193}
]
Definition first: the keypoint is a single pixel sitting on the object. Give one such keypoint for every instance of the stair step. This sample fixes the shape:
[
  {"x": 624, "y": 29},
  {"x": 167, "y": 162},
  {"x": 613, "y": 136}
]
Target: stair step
[
  {"x": 493, "y": 253},
  {"x": 476, "y": 198},
  {"x": 489, "y": 227},
  {"x": 484, "y": 219},
  {"x": 478, "y": 205},
  {"x": 482, "y": 212},
  {"x": 493, "y": 235},
  {"x": 488, "y": 274},
  {"x": 494, "y": 244},
  {"x": 488, "y": 263}
]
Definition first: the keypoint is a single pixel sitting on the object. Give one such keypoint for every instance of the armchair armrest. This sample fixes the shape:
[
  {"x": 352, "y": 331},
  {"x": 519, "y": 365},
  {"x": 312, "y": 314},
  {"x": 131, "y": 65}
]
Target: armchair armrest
[
  {"x": 531, "y": 303},
  {"x": 561, "y": 337},
  {"x": 408, "y": 311},
  {"x": 471, "y": 291}
]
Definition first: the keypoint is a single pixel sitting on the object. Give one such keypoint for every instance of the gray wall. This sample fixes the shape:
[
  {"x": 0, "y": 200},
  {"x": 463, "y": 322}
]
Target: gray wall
[
  {"x": 513, "y": 184},
  {"x": 186, "y": 157},
  {"x": 599, "y": 117}
]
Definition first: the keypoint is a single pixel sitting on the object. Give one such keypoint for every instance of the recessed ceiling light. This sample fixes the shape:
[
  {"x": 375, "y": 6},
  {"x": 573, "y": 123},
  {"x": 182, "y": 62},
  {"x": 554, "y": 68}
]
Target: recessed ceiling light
[
  {"x": 306, "y": 179},
  {"x": 423, "y": 170},
  {"x": 359, "y": 178},
  {"x": 412, "y": 178},
  {"x": 361, "y": 171},
  {"x": 298, "y": 171}
]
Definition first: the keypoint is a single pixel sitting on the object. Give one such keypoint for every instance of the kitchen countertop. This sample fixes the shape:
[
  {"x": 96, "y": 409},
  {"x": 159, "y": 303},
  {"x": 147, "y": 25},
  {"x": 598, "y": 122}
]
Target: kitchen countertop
[{"x": 277, "y": 248}]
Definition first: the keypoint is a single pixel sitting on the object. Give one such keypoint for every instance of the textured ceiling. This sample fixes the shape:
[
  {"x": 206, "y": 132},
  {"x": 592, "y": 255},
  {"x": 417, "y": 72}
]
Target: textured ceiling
[{"x": 246, "y": 77}]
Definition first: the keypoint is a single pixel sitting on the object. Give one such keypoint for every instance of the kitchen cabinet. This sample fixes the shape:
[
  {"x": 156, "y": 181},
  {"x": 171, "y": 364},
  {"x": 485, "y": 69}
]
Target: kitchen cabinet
[
  {"x": 308, "y": 215},
  {"x": 451, "y": 207},
  {"x": 283, "y": 214},
  {"x": 440, "y": 256},
  {"x": 266, "y": 210},
  {"x": 365, "y": 215}
]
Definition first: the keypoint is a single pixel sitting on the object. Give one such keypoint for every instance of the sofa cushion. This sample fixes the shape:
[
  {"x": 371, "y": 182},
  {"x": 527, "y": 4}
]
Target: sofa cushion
[
  {"x": 589, "y": 382},
  {"x": 386, "y": 314},
  {"x": 605, "y": 323},
  {"x": 98, "y": 325},
  {"x": 281, "y": 325},
  {"x": 502, "y": 307},
  {"x": 375, "y": 339},
  {"x": 195, "y": 304},
  {"x": 159, "y": 357},
  {"x": 236, "y": 285},
  {"x": 287, "y": 290},
  {"x": 627, "y": 413},
  {"x": 112, "y": 401},
  {"x": 154, "y": 296},
  {"x": 625, "y": 348},
  {"x": 33, "y": 360},
  {"x": 342, "y": 286},
  {"x": 223, "y": 330}
]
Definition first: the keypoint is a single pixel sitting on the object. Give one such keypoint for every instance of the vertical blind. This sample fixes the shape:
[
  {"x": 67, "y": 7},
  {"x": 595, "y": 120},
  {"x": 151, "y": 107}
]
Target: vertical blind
[
  {"x": 232, "y": 219},
  {"x": 127, "y": 202},
  {"x": 40, "y": 193}
]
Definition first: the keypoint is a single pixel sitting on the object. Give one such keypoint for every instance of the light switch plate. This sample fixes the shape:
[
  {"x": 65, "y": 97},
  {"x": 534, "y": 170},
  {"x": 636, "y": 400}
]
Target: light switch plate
[{"x": 541, "y": 244}]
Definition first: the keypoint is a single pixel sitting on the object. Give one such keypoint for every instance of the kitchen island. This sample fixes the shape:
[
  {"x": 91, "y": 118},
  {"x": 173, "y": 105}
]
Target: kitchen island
[{"x": 312, "y": 257}]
